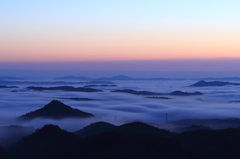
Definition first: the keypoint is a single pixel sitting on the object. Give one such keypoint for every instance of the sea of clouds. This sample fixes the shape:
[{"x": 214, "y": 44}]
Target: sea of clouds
[{"x": 118, "y": 108}]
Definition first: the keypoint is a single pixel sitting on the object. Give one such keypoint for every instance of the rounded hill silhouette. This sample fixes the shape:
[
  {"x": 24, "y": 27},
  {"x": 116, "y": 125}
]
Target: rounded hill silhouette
[
  {"x": 55, "y": 110},
  {"x": 49, "y": 142},
  {"x": 213, "y": 83}
]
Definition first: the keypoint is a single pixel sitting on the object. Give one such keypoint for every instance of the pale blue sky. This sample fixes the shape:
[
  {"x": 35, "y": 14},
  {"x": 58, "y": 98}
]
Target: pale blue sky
[
  {"x": 124, "y": 13},
  {"x": 44, "y": 31}
]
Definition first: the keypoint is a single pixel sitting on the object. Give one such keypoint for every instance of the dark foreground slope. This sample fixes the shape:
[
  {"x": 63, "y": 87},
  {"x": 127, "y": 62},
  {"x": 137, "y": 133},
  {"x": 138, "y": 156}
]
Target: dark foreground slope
[
  {"x": 55, "y": 110},
  {"x": 212, "y": 144},
  {"x": 52, "y": 142},
  {"x": 4, "y": 154}
]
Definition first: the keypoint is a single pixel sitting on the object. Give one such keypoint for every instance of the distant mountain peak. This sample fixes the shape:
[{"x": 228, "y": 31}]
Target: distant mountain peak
[
  {"x": 56, "y": 104},
  {"x": 203, "y": 83},
  {"x": 55, "y": 110}
]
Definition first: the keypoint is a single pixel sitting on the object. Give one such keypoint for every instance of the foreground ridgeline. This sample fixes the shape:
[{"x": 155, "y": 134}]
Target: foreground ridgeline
[
  {"x": 213, "y": 83},
  {"x": 55, "y": 110},
  {"x": 49, "y": 142},
  {"x": 129, "y": 141},
  {"x": 136, "y": 128}
]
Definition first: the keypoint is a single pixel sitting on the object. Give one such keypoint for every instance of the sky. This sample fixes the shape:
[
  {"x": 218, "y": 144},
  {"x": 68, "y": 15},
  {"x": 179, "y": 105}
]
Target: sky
[{"x": 33, "y": 33}]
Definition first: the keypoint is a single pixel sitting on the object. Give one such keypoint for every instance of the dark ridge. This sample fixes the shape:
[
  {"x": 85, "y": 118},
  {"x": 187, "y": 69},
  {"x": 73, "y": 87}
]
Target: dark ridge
[
  {"x": 18, "y": 82},
  {"x": 82, "y": 99},
  {"x": 18, "y": 91},
  {"x": 9, "y": 87},
  {"x": 114, "y": 145},
  {"x": 48, "y": 130},
  {"x": 176, "y": 93},
  {"x": 213, "y": 83},
  {"x": 136, "y": 92},
  {"x": 212, "y": 123},
  {"x": 95, "y": 128},
  {"x": 133, "y": 140},
  {"x": 139, "y": 128},
  {"x": 55, "y": 110},
  {"x": 103, "y": 85},
  {"x": 65, "y": 88},
  {"x": 212, "y": 144},
  {"x": 190, "y": 128},
  {"x": 49, "y": 142},
  {"x": 4, "y": 154},
  {"x": 157, "y": 97},
  {"x": 234, "y": 101},
  {"x": 180, "y": 93},
  {"x": 135, "y": 128}
]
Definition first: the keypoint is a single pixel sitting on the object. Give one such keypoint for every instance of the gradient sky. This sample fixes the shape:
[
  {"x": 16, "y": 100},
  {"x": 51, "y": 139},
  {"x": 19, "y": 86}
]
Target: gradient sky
[{"x": 126, "y": 30}]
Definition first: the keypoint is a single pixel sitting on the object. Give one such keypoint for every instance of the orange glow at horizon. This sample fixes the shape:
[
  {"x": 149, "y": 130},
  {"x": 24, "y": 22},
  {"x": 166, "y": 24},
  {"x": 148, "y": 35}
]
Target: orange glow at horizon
[{"x": 117, "y": 46}]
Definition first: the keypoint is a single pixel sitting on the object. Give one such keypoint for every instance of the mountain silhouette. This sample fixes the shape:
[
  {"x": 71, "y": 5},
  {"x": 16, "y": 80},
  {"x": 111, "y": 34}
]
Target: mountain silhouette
[
  {"x": 49, "y": 142},
  {"x": 234, "y": 101},
  {"x": 55, "y": 110},
  {"x": 213, "y": 83},
  {"x": 180, "y": 93},
  {"x": 82, "y": 99},
  {"x": 190, "y": 128},
  {"x": 129, "y": 141},
  {"x": 212, "y": 123},
  {"x": 176, "y": 93},
  {"x": 135, "y": 128},
  {"x": 137, "y": 92},
  {"x": 115, "y": 145},
  {"x": 95, "y": 128},
  {"x": 9, "y": 87},
  {"x": 139, "y": 128},
  {"x": 65, "y": 88}
]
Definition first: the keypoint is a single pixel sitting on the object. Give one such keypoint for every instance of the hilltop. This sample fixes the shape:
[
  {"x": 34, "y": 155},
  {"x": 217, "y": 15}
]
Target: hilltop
[{"x": 55, "y": 110}]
